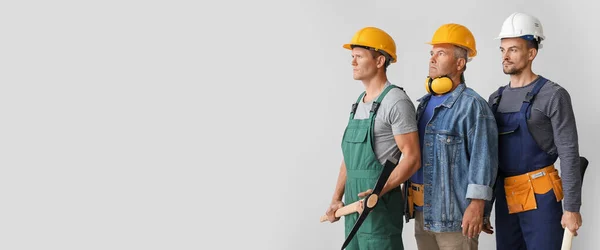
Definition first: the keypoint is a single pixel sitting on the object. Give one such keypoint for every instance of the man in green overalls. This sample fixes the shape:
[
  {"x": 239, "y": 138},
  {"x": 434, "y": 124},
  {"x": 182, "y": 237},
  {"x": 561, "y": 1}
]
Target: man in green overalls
[{"x": 382, "y": 121}]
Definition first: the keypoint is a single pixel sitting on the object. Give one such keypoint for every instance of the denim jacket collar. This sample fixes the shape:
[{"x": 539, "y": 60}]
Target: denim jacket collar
[{"x": 451, "y": 99}]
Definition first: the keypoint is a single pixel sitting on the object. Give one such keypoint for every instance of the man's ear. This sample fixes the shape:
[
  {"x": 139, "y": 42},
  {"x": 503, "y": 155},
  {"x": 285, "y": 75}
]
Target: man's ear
[
  {"x": 380, "y": 61},
  {"x": 532, "y": 54},
  {"x": 460, "y": 63}
]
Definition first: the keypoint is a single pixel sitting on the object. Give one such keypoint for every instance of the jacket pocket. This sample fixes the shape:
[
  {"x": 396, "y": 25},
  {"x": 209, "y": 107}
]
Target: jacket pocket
[{"x": 449, "y": 146}]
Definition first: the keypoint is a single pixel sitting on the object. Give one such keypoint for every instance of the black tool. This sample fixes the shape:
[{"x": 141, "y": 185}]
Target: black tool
[
  {"x": 407, "y": 215},
  {"x": 584, "y": 164},
  {"x": 371, "y": 200}
]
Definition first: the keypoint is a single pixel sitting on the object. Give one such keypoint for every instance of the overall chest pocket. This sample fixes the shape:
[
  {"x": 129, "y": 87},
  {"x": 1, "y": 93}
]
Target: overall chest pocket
[
  {"x": 507, "y": 129},
  {"x": 448, "y": 148},
  {"x": 356, "y": 135}
]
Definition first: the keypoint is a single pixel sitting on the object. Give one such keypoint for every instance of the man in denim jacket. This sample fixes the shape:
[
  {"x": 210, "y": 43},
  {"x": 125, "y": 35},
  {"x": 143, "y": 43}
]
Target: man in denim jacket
[{"x": 459, "y": 141}]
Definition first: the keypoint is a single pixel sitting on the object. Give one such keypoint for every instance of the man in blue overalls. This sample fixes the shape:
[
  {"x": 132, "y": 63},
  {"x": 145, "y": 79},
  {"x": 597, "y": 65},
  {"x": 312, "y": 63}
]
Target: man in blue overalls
[{"x": 536, "y": 125}]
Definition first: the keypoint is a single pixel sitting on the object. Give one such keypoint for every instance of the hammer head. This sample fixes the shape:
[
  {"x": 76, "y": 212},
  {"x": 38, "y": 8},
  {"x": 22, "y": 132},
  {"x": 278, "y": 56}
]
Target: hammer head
[{"x": 583, "y": 163}]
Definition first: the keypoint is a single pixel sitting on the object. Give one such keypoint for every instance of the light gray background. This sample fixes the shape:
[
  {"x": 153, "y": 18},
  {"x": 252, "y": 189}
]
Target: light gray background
[{"x": 217, "y": 124}]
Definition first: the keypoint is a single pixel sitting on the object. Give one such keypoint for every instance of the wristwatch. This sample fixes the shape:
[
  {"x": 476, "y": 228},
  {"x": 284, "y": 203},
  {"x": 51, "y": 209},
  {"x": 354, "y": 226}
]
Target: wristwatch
[{"x": 486, "y": 221}]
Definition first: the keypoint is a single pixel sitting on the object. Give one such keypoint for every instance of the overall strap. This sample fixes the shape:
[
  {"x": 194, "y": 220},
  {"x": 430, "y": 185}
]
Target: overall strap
[
  {"x": 355, "y": 105},
  {"x": 497, "y": 99},
  {"x": 375, "y": 108},
  {"x": 525, "y": 107},
  {"x": 376, "y": 103}
]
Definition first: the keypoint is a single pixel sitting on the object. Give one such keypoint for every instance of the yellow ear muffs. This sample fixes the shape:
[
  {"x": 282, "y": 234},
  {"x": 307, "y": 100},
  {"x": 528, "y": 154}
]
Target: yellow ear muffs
[{"x": 438, "y": 86}]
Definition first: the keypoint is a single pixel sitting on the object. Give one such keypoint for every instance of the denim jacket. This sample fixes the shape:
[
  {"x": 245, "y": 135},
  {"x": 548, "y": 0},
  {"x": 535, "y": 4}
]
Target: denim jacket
[{"x": 459, "y": 158}]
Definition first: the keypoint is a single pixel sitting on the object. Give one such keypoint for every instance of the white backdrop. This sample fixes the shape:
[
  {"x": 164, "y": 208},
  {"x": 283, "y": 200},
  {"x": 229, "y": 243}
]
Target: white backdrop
[{"x": 217, "y": 124}]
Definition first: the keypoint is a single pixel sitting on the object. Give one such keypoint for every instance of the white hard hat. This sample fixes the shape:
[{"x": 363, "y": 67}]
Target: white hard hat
[{"x": 522, "y": 25}]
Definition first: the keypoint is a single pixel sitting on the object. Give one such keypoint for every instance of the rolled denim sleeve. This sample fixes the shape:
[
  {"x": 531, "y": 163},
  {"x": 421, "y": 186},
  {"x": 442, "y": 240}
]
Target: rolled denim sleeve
[
  {"x": 476, "y": 191},
  {"x": 483, "y": 151}
]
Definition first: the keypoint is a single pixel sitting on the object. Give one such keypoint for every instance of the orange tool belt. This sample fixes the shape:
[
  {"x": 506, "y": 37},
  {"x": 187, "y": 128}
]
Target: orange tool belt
[
  {"x": 415, "y": 197},
  {"x": 521, "y": 189}
]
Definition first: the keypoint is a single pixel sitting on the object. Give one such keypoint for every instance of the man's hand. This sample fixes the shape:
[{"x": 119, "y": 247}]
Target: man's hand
[
  {"x": 365, "y": 193},
  {"x": 335, "y": 205},
  {"x": 487, "y": 226},
  {"x": 473, "y": 218},
  {"x": 571, "y": 221},
  {"x": 361, "y": 195}
]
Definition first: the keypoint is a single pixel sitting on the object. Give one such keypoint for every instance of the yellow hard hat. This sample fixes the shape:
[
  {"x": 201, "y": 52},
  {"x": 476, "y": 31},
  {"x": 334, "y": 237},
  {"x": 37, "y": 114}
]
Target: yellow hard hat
[
  {"x": 374, "y": 38},
  {"x": 455, "y": 34}
]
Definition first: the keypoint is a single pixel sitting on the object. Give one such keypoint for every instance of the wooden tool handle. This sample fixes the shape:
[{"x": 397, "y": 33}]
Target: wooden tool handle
[
  {"x": 345, "y": 210},
  {"x": 567, "y": 240}
]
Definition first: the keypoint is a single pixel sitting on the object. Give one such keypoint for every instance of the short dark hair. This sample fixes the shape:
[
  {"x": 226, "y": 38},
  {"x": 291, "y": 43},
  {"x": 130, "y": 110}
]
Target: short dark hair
[{"x": 534, "y": 43}]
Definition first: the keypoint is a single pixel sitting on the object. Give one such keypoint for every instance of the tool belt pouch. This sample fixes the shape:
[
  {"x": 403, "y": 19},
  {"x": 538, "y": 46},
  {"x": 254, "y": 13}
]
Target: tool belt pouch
[
  {"x": 415, "y": 197},
  {"x": 519, "y": 196},
  {"x": 557, "y": 185},
  {"x": 520, "y": 190},
  {"x": 418, "y": 198}
]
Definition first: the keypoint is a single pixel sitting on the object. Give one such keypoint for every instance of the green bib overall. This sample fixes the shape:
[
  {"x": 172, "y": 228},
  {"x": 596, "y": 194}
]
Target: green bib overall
[{"x": 382, "y": 229}]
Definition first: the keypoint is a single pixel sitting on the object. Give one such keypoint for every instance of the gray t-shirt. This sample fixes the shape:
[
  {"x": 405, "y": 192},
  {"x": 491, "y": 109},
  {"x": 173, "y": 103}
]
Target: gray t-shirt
[
  {"x": 396, "y": 115},
  {"x": 552, "y": 125}
]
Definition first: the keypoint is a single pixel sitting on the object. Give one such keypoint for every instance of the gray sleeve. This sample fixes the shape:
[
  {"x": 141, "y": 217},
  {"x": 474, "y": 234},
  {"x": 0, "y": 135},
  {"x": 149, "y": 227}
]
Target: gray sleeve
[
  {"x": 564, "y": 130},
  {"x": 491, "y": 99},
  {"x": 489, "y": 204},
  {"x": 403, "y": 117}
]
